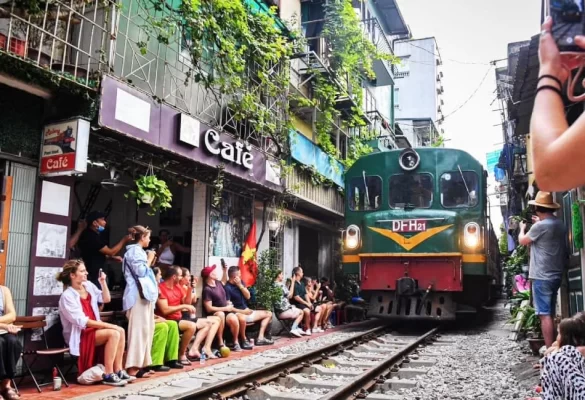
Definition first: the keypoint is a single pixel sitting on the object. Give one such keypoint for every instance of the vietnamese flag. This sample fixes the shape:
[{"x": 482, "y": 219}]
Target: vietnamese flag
[{"x": 248, "y": 266}]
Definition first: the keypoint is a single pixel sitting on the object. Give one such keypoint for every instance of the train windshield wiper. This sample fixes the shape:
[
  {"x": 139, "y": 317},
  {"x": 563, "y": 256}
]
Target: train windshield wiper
[{"x": 466, "y": 186}]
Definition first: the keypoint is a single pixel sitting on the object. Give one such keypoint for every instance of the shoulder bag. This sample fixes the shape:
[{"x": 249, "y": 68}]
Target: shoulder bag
[{"x": 138, "y": 284}]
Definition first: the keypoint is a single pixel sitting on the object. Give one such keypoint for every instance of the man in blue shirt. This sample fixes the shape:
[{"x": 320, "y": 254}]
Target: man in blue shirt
[{"x": 237, "y": 293}]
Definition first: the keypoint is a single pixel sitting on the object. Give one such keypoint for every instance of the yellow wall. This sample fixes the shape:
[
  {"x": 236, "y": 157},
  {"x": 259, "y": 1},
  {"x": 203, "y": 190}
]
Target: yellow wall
[{"x": 303, "y": 127}]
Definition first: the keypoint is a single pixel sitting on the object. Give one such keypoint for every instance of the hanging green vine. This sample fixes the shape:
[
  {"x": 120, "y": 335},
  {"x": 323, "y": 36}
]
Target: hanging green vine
[
  {"x": 351, "y": 60},
  {"x": 217, "y": 195},
  {"x": 233, "y": 51}
]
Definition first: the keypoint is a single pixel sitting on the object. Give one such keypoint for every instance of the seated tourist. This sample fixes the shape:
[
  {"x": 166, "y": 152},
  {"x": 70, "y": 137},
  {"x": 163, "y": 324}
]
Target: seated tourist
[
  {"x": 238, "y": 294},
  {"x": 10, "y": 347},
  {"x": 563, "y": 372},
  {"x": 327, "y": 298},
  {"x": 312, "y": 289},
  {"x": 215, "y": 303},
  {"x": 165, "y": 344},
  {"x": 170, "y": 305},
  {"x": 87, "y": 337},
  {"x": 189, "y": 283},
  {"x": 301, "y": 300},
  {"x": 284, "y": 310}
]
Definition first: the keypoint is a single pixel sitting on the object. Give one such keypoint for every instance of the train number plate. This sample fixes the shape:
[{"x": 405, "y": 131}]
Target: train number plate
[{"x": 409, "y": 225}]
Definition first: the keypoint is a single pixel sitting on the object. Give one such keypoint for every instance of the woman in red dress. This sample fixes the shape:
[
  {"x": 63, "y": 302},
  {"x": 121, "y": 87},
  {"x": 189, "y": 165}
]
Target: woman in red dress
[{"x": 89, "y": 338}]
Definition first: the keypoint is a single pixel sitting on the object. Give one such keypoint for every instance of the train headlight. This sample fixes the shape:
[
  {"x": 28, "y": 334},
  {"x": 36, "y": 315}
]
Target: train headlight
[
  {"x": 352, "y": 237},
  {"x": 471, "y": 235},
  {"x": 408, "y": 159}
]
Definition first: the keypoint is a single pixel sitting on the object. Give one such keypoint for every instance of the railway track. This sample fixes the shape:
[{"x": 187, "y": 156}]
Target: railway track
[{"x": 373, "y": 364}]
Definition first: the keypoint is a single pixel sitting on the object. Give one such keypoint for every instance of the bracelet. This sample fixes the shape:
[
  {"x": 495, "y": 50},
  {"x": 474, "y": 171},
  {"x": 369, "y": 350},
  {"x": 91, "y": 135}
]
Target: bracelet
[
  {"x": 554, "y": 78},
  {"x": 549, "y": 87}
]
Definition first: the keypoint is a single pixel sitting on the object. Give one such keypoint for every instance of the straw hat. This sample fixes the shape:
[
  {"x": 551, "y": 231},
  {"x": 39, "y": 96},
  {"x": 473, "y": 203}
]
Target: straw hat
[{"x": 544, "y": 199}]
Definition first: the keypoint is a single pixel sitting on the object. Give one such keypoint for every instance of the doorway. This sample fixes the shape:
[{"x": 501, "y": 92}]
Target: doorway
[{"x": 309, "y": 251}]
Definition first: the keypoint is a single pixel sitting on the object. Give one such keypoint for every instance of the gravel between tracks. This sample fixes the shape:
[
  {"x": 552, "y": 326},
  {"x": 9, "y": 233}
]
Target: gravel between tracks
[{"x": 477, "y": 366}]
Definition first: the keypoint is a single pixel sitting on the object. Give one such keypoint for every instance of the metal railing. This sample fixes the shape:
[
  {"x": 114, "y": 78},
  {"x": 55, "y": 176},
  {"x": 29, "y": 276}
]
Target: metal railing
[
  {"x": 326, "y": 197},
  {"x": 165, "y": 70},
  {"x": 72, "y": 38}
]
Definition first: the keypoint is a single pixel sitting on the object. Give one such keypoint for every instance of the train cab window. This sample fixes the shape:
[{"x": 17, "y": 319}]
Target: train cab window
[
  {"x": 365, "y": 193},
  {"x": 411, "y": 191},
  {"x": 459, "y": 189}
]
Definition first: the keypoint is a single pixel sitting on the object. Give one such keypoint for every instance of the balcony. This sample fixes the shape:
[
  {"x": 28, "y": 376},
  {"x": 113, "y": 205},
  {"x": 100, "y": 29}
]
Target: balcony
[
  {"x": 69, "y": 39},
  {"x": 308, "y": 154},
  {"x": 383, "y": 69}
]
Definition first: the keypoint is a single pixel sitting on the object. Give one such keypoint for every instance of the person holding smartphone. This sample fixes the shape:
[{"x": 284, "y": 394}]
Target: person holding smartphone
[{"x": 553, "y": 140}]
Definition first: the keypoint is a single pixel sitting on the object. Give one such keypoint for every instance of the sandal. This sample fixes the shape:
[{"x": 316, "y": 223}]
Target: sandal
[
  {"x": 144, "y": 373},
  {"x": 186, "y": 363},
  {"x": 10, "y": 394}
]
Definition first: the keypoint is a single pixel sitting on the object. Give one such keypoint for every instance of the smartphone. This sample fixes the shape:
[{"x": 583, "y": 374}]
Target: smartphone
[{"x": 568, "y": 22}]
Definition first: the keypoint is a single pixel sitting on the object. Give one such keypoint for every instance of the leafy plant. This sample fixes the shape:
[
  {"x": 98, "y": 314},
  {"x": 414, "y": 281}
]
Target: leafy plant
[
  {"x": 503, "y": 241},
  {"x": 267, "y": 293},
  {"x": 346, "y": 287},
  {"x": 514, "y": 265},
  {"x": 529, "y": 321},
  {"x": 153, "y": 191}
]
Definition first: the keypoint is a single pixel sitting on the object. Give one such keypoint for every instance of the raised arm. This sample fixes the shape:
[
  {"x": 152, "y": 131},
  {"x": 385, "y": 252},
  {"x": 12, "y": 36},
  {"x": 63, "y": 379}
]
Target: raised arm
[{"x": 553, "y": 141}]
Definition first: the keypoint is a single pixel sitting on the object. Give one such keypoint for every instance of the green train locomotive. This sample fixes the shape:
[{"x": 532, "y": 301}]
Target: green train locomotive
[{"x": 418, "y": 233}]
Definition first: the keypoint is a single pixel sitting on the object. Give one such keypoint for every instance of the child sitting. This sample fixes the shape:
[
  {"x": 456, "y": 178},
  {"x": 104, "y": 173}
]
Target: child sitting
[{"x": 563, "y": 371}]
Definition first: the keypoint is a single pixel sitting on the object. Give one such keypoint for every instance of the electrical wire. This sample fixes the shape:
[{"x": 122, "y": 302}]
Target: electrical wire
[
  {"x": 462, "y": 104},
  {"x": 449, "y": 59}
]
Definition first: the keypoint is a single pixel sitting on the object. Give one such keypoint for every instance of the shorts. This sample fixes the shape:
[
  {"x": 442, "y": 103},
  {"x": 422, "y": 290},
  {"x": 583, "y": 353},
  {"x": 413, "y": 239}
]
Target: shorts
[
  {"x": 186, "y": 316},
  {"x": 291, "y": 313},
  {"x": 250, "y": 318},
  {"x": 544, "y": 293}
]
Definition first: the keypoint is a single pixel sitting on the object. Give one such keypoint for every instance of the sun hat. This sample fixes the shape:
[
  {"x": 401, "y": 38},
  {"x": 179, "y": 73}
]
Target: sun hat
[{"x": 544, "y": 199}]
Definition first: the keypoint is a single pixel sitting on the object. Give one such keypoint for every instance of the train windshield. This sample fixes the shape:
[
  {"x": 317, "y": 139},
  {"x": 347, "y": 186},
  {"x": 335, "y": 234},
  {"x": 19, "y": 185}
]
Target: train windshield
[
  {"x": 365, "y": 193},
  {"x": 411, "y": 191},
  {"x": 459, "y": 189}
]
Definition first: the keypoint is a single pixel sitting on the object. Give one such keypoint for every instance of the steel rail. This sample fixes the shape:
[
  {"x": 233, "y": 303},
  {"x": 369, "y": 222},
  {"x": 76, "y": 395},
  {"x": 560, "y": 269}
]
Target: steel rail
[
  {"x": 235, "y": 386},
  {"x": 369, "y": 378}
]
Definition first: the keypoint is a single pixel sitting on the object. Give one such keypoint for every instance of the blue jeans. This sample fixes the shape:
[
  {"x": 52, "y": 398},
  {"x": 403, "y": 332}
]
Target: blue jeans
[{"x": 544, "y": 293}]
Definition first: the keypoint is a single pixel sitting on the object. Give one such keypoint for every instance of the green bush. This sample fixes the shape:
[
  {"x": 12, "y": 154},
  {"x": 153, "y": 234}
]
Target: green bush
[{"x": 267, "y": 293}]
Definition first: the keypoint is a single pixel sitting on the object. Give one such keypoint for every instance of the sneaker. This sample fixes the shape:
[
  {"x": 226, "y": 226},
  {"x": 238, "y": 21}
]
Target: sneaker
[
  {"x": 247, "y": 346},
  {"x": 330, "y": 325},
  {"x": 236, "y": 347},
  {"x": 296, "y": 332},
  {"x": 264, "y": 342},
  {"x": 113, "y": 380},
  {"x": 308, "y": 332},
  {"x": 318, "y": 330},
  {"x": 123, "y": 375}
]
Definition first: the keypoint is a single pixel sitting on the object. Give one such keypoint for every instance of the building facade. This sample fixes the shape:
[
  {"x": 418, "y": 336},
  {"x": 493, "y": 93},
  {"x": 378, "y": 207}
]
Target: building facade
[
  {"x": 419, "y": 90},
  {"x": 93, "y": 101}
]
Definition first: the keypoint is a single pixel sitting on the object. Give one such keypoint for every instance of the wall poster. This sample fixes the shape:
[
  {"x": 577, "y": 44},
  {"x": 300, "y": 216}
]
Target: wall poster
[{"x": 229, "y": 225}]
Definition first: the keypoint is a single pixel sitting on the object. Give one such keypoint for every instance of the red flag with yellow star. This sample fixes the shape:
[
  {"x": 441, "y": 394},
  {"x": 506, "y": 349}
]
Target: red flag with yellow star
[{"x": 247, "y": 264}]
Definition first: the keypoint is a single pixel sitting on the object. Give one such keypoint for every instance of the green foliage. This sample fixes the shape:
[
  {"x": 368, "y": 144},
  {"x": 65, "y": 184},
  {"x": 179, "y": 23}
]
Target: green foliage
[
  {"x": 346, "y": 287},
  {"x": 351, "y": 59},
  {"x": 529, "y": 321},
  {"x": 577, "y": 225},
  {"x": 439, "y": 141},
  {"x": 152, "y": 191},
  {"x": 267, "y": 293},
  {"x": 234, "y": 51},
  {"x": 503, "y": 241},
  {"x": 513, "y": 266},
  {"x": 218, "y": 187}
]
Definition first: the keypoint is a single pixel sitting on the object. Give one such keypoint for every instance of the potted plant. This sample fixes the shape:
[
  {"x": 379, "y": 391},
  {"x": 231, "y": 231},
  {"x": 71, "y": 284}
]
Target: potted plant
[
  {"x": 152, "y": 192},
  {"x": 267, "y": 293},
  {"x": 529, "y": 326}
]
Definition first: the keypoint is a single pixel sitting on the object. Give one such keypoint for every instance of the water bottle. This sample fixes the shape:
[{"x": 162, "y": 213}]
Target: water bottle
[
  {"x": 202, "y": 359},
  {"x": 252, "y": 342}
]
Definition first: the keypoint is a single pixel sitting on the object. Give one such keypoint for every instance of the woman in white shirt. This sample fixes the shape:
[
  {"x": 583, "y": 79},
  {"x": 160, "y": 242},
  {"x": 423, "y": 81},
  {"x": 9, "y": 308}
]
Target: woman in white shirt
[
  {"x": 168, "y": 249},
  {"x": 140, "y": 297},
  {"x": 89, "y": 338}
]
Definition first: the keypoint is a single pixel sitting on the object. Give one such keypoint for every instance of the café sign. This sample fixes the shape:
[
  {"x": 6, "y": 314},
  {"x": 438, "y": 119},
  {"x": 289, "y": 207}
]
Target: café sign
[
  {"x": 64, "y": 148},
  {"x": 237, "y": 152}
]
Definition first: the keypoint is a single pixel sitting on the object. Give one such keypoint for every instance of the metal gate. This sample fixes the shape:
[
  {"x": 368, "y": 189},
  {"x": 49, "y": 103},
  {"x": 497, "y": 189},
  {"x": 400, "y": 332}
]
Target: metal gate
[
  {"x": 18, "y": 248},
  {"x": 574, "y": 273}
]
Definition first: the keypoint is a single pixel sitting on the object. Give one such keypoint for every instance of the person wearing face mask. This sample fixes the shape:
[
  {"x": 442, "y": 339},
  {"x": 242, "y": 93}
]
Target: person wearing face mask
[{"x": 94, "y": 248}]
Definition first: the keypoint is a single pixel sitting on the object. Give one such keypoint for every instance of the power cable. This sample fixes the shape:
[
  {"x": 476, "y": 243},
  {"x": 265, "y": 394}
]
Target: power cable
[
  {"x": 463, "y": 104},
  {"x": 450, "y": 59}
]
